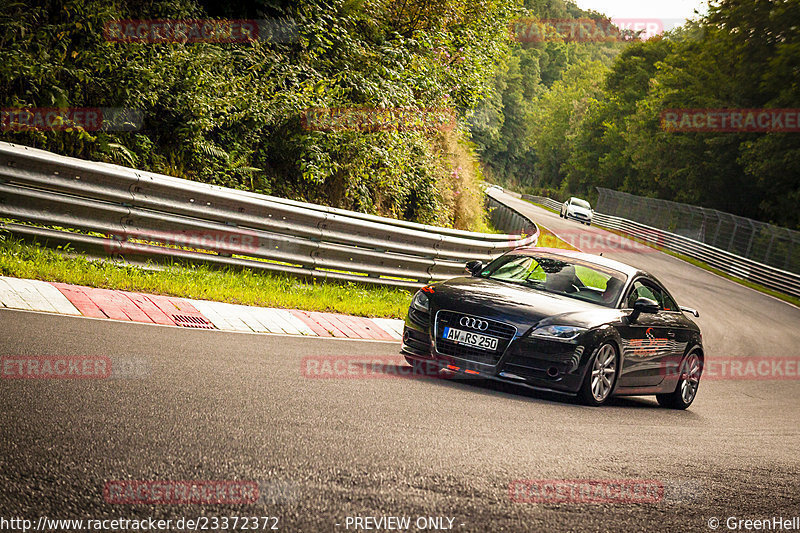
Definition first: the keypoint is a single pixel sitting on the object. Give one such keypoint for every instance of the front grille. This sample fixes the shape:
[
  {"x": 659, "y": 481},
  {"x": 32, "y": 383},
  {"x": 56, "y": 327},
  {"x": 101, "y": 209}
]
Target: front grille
[{"x": 504, "y": 332}]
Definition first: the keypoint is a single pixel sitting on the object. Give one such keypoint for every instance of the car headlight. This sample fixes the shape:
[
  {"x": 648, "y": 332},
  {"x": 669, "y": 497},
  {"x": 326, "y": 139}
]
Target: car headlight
[
  {"x": 421, "y": 302},
  {"x": 561, "y": 333}
]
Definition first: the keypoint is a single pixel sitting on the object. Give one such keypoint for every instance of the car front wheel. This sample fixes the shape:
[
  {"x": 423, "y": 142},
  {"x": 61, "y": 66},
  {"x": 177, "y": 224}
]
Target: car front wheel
[
  {"x": 688, "y": 383},
  {"x": 601, "y": 376}
]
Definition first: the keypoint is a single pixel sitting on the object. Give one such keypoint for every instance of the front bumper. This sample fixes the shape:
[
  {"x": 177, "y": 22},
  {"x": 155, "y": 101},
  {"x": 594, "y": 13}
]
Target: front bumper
[
  {"x": 580, "y": 217},
  {"x": 534, "y": 363}
]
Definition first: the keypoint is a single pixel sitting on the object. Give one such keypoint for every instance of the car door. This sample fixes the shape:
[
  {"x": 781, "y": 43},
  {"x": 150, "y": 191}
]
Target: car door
[
  {"x": 646, "y": 342},
  {"x": 679, "y": 332}
]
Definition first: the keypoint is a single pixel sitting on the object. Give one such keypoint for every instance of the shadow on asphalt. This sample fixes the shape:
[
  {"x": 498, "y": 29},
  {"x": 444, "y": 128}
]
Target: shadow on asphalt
[{"x": 490, "y": 387}]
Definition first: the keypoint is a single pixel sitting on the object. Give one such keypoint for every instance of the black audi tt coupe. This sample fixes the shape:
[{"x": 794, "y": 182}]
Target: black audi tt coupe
[{"x": 560, "y": 321}]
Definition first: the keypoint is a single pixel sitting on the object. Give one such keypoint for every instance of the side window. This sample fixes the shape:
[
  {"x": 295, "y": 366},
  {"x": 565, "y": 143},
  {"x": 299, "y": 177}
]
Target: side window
[
  {"x": 668, "y": 304},
  {"x": 641, "y": 290}
]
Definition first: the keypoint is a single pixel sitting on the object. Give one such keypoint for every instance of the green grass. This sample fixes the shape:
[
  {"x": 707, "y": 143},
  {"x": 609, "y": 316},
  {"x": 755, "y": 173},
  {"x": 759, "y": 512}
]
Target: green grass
[
  {"x": 548, "y": 239},
  {"x": 23, "y": 260}
]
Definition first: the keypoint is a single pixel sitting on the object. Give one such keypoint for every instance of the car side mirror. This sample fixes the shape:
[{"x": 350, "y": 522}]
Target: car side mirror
[
  {"x": 474, "y": 267},
  {"x": 643, "y": 305}
]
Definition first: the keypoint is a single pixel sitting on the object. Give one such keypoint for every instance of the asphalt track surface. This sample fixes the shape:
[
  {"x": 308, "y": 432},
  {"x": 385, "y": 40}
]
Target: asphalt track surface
[{"x": 210, "y": 405}]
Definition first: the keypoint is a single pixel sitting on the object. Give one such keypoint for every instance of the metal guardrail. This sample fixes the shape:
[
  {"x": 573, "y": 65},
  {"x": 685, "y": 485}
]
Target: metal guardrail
[
  {"x": 508, "y": 219},
  {"x": 735, "y": 265},
  {"x": 112, "y": 210},
  {"x": 766, "y": 243},
  {"x": 545, "y": 201}
]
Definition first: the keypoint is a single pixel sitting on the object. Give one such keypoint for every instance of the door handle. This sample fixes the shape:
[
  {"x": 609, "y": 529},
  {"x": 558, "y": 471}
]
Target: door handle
[{"x": 671, "y": 334}]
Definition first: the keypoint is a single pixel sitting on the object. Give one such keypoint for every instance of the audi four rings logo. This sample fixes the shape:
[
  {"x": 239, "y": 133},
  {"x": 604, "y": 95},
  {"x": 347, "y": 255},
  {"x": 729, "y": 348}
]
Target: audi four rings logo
[{"x": 474, "y": 323}]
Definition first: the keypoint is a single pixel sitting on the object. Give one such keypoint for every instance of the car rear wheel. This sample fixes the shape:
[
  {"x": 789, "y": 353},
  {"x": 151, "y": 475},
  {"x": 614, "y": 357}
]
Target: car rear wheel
[
  {"x": 686, "y": 390},
  {"x": 601, "y": 376}
]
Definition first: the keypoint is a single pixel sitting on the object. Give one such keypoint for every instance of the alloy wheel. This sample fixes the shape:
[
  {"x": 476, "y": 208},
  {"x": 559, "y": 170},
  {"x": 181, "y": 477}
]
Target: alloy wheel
[
  {"x": 690, "y": 378},
  {"x": 603, "y": 371}
]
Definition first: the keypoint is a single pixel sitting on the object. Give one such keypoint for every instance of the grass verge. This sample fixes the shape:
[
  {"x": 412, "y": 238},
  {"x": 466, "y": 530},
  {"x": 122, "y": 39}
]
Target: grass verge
[
  {"x": 23, "y": 260},
  {"x": 548, "y": 239}
]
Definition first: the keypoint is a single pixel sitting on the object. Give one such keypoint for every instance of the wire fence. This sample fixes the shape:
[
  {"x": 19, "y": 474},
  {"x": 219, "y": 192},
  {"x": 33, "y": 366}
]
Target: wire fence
[{"x": 758, "y": 241}]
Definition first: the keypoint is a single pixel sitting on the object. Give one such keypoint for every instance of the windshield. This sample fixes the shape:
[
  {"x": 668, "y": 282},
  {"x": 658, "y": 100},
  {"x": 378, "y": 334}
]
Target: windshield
[
  {"x": 559, "y": 275},
  {"x": 581, "y": 203}
]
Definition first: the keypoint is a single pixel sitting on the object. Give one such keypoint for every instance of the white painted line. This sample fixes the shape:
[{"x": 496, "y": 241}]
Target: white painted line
[
  {"x": 9, "y": 296},
  {"x": 27, "y": 291},
  {"x": 56, "y": 298},
  {"x": 275, "y": 322},
  {"x": 392, "y": 326},
  {"x": 246, "y": 315},
  {"x": 230, "y": 316},
  {"x": 270, "y": 322},
  {"x": 292, "y": 324},
  {"x": 209, "y": 311}
]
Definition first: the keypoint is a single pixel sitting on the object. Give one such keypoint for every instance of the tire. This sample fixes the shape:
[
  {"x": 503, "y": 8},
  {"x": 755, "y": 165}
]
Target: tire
[
  {"x": 423, "y": 368},
  {"x": 601, "y": 376},
  {"x": 686, "y": 390}
]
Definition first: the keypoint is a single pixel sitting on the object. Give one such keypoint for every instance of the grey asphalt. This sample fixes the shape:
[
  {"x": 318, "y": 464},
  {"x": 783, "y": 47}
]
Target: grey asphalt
[{"x": 209, "y": 405}]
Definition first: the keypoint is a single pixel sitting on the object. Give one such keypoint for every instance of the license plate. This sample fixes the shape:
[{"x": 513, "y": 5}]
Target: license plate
[{"x": 476, "y": 340}]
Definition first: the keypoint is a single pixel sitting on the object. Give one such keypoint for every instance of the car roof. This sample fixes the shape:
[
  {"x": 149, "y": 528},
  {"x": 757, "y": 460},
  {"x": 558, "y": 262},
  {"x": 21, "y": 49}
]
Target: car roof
[{"x": 589, "y": 258}]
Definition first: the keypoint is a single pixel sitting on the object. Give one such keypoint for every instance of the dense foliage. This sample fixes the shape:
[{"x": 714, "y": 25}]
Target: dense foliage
[
  {"x": 231, "y": 113},
  {"x": 600, "y": 125},
  {"x": 556, "y": 117}
]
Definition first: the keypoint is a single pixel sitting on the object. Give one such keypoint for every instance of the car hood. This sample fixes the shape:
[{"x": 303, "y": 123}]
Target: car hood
[
  {"x": 582, "y": 210},
  {"x": 518, "y": 305}
]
